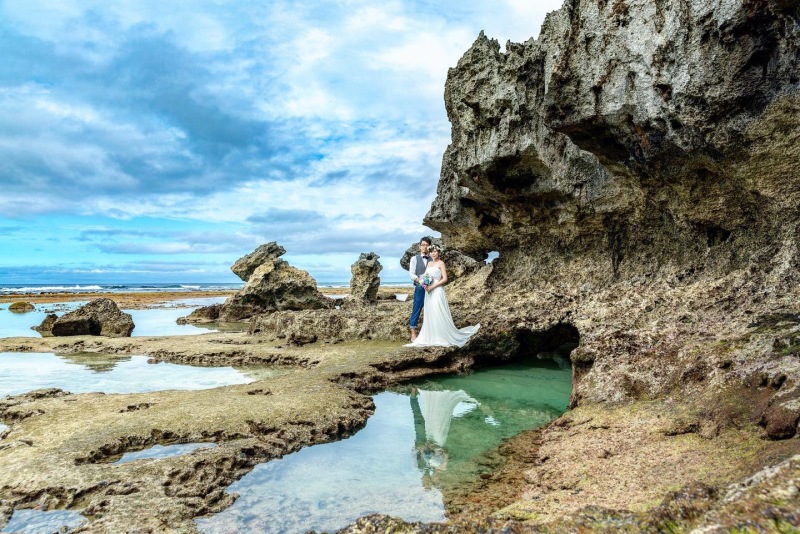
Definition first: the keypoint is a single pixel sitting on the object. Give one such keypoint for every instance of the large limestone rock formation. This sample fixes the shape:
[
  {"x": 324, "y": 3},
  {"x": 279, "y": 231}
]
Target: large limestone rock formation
[
  {"x": 365, "y": 281},
  {"x": 637, "y": 167},
  {"x": 458, "y": 264},
  {"x": 271, "y": 285},
  {"x": 100, "y": 317}
]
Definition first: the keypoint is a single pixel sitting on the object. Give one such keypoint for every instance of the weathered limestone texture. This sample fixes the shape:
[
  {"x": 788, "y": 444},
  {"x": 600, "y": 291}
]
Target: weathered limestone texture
[
  {"x": 384, "y": 321},
  {"x": 458, "y": 264},
  {"x": 206, "y": 314},
  {"x": 271, "y": 285},
  {"x": 100, "y": 317},
  {"x": 637, "y": 167},
  {"x": 365, "y": 281}
]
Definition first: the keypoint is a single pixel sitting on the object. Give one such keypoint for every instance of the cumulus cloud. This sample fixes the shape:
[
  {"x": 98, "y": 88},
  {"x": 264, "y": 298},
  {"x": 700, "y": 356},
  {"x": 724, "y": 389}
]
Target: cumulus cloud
[{"x": 319, "y": 125}]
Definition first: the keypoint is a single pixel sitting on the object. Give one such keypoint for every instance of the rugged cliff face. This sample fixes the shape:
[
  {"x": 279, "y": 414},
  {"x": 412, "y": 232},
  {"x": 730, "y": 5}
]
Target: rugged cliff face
[
  {"x": 638, "y": 169},
  {"x": 651, "y": 131}
]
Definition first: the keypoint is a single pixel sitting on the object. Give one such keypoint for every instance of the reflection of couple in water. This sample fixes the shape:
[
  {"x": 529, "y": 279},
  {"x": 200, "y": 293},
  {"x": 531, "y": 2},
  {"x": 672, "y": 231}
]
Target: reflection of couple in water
[
  {"x": 429, "y": 274},
  {"x": 431, "y": 426}
]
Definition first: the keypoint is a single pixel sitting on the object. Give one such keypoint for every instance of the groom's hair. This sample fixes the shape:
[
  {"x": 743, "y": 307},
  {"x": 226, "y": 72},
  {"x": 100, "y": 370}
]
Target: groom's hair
[{"x": 427, "y": 239}]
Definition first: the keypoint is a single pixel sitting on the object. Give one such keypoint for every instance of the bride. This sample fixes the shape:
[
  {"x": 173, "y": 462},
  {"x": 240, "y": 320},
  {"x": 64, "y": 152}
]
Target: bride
[{"x": 438, "y": 328}]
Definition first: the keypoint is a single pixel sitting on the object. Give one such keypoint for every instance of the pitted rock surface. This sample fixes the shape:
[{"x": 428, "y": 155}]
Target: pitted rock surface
[
  {"x": 247, "y": 265},
  {"x": 100, "y": 317},
  {"x": 636, "y": 167},
  {"x": 272, "y": 285},
  {"x": 365, "y": 281},
  {"x": 457, "y": 263}
]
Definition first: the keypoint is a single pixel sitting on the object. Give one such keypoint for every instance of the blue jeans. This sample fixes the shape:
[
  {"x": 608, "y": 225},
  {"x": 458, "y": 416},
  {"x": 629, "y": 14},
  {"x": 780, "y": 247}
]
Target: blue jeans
[{"x": 419, "y": 300}]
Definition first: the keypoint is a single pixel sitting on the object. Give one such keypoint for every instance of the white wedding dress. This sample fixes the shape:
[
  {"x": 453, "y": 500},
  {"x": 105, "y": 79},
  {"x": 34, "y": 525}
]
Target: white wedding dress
[
  {"x": 438, "y": 329},
  {"x": 437, "y": 411}
]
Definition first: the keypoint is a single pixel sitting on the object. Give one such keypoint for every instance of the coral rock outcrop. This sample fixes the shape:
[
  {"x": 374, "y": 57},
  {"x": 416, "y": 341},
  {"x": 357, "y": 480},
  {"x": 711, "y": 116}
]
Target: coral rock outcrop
[
  {"x": 458, "y": 263},
  {"x": 100, "y": 317},
  {"x": 271, "y": 285},
  {"x": 636, "y": 167},
  {"x": 365, "y": 282},
  {"x": 21, "y": 307}
]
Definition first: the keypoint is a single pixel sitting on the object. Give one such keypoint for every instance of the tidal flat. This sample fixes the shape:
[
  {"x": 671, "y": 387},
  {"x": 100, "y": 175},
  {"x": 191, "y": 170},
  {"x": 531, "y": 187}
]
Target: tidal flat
[{"x": 61, "y": 449}]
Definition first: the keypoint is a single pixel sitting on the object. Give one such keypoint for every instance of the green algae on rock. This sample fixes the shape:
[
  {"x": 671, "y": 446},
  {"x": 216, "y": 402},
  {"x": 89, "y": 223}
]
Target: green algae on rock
[{"x": 21, "y": 307}]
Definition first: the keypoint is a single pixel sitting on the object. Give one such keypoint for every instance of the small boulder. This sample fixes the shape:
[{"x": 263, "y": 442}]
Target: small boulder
[
  {"x": 206, "y": 314},
  {"x": 780, "y": 419},
  {"x": 46, "y": 326},
  {"x": 365, "y": 282},
  {"x": 21, "y": 307},
  {"x": 100, "y": 317}
]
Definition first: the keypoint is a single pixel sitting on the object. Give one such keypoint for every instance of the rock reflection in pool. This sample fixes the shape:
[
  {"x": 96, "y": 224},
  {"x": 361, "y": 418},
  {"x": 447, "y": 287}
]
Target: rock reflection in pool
[
  {"x": 157, "y": 452},
  {"x": 157, "y": 321},
  {"x": 424, "y": 438},
  {"x": 162, "y": 322},
  {"x": 38, "y": 521},
  {"x": 22, "y": 372}
]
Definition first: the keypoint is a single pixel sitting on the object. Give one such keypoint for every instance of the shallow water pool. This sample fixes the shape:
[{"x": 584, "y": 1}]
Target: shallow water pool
[
  {"x": 157, "y": 452},
  {"x": 40, "y": 522},
  {"x": 158, "y": 321},
  {"x": 424, "y": 439},
  {"x": 113, "y": 373}
]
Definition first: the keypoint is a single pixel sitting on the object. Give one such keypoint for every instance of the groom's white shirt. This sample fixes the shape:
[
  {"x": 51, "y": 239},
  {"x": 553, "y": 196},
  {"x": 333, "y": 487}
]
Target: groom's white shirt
[{"x": 412, "y": 267}]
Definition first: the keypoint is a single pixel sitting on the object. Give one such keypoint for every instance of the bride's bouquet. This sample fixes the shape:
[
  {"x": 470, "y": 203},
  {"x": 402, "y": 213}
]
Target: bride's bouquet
[{"x": 426, "y": 280}]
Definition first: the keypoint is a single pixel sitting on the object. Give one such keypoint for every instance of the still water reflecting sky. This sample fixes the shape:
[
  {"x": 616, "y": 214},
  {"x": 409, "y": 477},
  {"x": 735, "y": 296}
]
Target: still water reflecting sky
[
  {"x": 423, "y": 439},
  {"x": 107, "y": 373},
  {"x": 41, "y": 522},
  {"x": 149, "y": 322}
]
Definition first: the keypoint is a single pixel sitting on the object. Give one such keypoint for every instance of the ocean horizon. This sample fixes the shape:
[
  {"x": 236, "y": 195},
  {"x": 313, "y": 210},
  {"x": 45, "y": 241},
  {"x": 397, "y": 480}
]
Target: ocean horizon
[{"x": 188, "y": 287}]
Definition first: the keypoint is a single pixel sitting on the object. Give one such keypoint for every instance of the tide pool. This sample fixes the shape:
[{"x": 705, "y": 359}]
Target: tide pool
[
  {"x": 158, "y": 321},
  {"x": 109, "y": 373},
  {"x": 157, "y": 452},
  {"x": 424, "y": 439},
  {"x": 41, "y": 522}
]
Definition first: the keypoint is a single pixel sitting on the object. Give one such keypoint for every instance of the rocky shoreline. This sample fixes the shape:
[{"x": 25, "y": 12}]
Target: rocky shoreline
[
  {"x": 636, "y": 170},
  {"x": 627, "y": 459}
]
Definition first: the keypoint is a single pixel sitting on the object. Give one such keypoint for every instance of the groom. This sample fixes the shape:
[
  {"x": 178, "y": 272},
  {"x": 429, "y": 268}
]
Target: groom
[{"x": 416, "y": 269}]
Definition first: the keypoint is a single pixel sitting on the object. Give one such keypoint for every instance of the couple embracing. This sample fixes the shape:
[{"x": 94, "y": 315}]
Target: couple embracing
[{"x": 429, "y": 274}]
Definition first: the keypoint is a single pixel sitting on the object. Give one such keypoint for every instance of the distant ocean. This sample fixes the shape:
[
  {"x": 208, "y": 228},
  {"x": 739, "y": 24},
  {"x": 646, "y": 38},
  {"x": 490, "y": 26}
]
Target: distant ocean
[
  {"x": 113, "y": 288},
  {"x": 35, "y": 289}
]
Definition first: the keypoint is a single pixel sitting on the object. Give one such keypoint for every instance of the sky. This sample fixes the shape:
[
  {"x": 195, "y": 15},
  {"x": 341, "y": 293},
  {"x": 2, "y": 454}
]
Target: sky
[{"x": 150, "y": 141}]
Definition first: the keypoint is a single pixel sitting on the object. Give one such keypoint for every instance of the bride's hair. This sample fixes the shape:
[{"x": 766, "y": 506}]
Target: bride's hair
[{"x": 437, "y": 248}]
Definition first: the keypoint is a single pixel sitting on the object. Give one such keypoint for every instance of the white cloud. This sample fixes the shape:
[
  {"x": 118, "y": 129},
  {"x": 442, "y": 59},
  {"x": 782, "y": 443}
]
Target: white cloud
[{"x": 218, "y": 110}]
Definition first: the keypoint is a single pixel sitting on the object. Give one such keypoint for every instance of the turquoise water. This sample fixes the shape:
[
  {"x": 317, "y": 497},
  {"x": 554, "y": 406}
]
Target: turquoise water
[
  {"x": 39, "y": 522},
  {"x": 157, "y": 452},
  {"x": 423, "y": 439},
  {"x": 113, "y": 373},
  {"x": 150, "y": 322}
]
